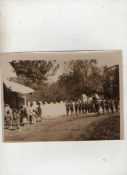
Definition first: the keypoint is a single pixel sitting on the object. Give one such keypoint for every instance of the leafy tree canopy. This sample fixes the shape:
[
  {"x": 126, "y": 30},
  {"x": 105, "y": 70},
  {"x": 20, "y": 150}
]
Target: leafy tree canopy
[{"x": 78, "y": 77}]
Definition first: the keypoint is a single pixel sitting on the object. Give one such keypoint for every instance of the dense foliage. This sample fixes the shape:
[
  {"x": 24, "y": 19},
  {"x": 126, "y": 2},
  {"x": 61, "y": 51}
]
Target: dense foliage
[{"x": 78, "y": 77}]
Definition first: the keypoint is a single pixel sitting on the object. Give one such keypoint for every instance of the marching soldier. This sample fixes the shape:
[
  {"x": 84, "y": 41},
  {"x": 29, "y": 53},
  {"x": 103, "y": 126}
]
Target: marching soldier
[
  {"x": 92, "y": 107},
  {"x": 72, "y": 108},
  {"x": 89, "y": 107},
  {"x": 97, "y": 107},
  {"x": 67, "y": 105},
  {"x": 76, "y": 107},
  {"x": 86, "y": 107},
  {"x": 103, "y": 105},
  {"x": 82, "y": 106},
  {"x": 111, "y": 106},
  {"x": 107, "y": 106},
  {"x": 116, "y": 104}
]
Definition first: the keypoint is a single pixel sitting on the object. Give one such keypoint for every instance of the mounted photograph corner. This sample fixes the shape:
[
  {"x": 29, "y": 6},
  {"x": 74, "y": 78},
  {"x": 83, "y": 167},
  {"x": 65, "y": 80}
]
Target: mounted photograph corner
[{"x": 62, "y": 96}]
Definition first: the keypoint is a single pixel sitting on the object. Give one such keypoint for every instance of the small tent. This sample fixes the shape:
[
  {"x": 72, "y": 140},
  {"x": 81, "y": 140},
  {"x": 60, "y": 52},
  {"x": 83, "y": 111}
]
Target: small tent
[{"x": 84, "y": 97}]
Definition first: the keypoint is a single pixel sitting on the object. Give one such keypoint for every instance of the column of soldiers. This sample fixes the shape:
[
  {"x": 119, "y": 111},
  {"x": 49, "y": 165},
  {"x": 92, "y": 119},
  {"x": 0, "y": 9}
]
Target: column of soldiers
[{"x": 80, "y": 107}]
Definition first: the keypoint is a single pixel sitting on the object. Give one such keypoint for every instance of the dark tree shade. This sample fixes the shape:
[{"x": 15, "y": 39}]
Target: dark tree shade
[
  {"x": 78, "y": 77},
  {"x": 110, "y": 82},
  {"x": 34, "y": 71}
]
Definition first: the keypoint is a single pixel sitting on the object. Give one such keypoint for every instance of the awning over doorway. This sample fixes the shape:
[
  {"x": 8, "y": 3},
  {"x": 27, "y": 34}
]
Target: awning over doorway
[{"x": 18, "y": 88}]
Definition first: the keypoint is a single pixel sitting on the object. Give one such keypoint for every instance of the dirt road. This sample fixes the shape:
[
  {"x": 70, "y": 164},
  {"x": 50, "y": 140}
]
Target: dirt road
[{"x": 58, "y": 129}]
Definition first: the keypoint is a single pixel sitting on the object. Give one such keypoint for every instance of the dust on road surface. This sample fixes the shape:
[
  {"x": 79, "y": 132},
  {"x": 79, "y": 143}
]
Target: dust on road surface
[{"x": 63, "y": 128}]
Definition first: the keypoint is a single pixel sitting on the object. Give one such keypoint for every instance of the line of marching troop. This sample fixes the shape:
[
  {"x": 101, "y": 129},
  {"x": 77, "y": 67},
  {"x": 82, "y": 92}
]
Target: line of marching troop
[
  {"x": 14, "y": 118},
  {"x": 80, "y": 107}
]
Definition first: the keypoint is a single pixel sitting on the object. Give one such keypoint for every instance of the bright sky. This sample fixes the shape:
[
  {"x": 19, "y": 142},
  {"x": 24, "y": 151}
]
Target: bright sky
[{"x": 8, "y": 70}]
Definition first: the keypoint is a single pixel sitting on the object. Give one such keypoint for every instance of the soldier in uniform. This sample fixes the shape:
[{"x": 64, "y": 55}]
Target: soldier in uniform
[
  {"x": 71, "y": 108},
  {"x": 103, "y": 105},
  {"x": 82, "y": 106},
  {"x": 86, "y": 106},
  {"x": 89, "y": 107},
  {"x": 111, "y": 106},
  {"x": 116, "y": 104},
  {"x": 107, "y": 105},
  {"x": 67, "y": 105},
  {"x": 76, "y": 107},
  {"x": 97, "y": 107},
  {"x": 92, "y": 107}
]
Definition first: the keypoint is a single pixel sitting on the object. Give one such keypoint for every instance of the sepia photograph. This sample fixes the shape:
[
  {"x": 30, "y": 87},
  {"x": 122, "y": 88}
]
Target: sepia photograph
[{"x": 62, "y": 96}]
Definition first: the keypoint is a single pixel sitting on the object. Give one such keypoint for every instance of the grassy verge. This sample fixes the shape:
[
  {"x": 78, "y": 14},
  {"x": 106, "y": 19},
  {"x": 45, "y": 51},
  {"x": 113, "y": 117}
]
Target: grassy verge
[{"x": 106, "y": 129}]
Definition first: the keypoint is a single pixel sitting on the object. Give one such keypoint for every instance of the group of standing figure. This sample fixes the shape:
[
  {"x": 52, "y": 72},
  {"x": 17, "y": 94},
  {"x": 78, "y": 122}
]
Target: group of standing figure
[
  {"x": 25, "y": 114},
  {"x": 80, "y": 107},
  {"x": 32, "y": 113}
]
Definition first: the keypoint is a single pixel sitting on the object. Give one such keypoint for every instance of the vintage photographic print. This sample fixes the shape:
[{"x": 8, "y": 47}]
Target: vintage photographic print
[{"x": 62, "y": 96}]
